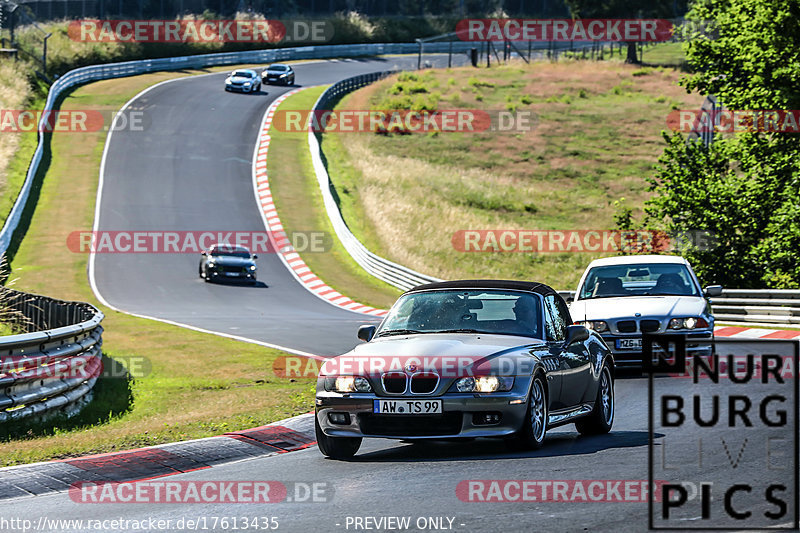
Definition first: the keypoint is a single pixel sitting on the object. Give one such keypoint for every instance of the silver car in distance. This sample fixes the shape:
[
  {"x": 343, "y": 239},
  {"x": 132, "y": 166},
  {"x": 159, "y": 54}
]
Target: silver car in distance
[
  {"x": 623, "y": 297},
  {"x": 477, "y": 358}
]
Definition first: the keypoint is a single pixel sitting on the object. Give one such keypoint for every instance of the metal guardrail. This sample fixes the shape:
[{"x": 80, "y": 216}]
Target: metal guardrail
[
  {"x": 401, "y": 277},
  {"x": 56, "y": 362},
  {"x": 131, "y": 68},
  {"x": 758, "y": 306}
]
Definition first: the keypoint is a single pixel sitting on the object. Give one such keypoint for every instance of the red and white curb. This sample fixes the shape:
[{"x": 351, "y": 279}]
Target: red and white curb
[
  {"x": 278, "y": 236},
  {"x": 288, "y": 435},
  {"x": 741, "y": 332}
]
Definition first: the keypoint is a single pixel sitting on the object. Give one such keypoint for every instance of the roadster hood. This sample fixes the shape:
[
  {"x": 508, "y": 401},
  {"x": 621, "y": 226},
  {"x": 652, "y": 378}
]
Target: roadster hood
[{"x": 441, "y": 352}]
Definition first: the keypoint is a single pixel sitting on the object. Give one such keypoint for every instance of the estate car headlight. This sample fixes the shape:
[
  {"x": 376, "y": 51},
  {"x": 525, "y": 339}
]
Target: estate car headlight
[
  {"x": 484, "y": 384},
  {"x": 688, "y": 323},
  {"x": 598, "y": 325},
  {"x": 252, "y": 267},
  {"x": 348, "y": 384}
]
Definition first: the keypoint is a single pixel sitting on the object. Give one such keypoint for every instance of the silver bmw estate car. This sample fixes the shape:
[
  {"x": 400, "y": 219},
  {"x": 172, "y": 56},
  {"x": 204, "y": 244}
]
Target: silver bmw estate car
[
  {"x": 623, "y": 297},
  {"x": 467, "y": 359}
]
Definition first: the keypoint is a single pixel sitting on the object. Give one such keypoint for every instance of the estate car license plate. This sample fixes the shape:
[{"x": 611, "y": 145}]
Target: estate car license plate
[
  {"x": 629, "y": 344},
  {"x": 231, "y": 274},
  {"x": 407, "y": 407}
]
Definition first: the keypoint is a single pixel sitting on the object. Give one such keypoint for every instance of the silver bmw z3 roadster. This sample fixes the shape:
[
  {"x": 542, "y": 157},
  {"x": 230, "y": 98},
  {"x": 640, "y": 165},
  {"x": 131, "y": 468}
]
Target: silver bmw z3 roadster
[{"x": 463, "y": 359}]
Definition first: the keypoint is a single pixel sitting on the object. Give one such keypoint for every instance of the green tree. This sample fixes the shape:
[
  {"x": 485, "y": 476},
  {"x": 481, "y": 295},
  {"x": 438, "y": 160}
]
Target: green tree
[{"x": 745, "y": 187}]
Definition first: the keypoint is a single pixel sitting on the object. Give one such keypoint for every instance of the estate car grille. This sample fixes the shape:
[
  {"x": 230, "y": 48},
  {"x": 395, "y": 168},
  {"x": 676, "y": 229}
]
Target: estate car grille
[
  {"x": 626, "y": 326},
  {"x": 407, "y": 426},
  {"x": 648, "y": 326}
]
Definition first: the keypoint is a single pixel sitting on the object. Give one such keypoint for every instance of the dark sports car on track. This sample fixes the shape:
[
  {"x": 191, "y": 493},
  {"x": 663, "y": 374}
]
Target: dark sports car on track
[
  {"x": 226, "y": 262},
  {"x": 278, "y": 74},
  {"x": 467, "y": 359}
]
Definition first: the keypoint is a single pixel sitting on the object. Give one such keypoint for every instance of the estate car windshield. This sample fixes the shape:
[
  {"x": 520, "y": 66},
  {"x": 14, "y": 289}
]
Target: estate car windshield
[
  {"x": 657, "y": 279},
  {"x": 280, "y": 68},
  {"x": 465, "y": 311}
]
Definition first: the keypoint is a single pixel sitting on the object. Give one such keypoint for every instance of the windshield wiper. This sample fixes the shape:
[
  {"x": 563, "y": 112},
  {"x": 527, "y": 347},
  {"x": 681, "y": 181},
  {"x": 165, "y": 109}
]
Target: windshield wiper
[
  {"x": 397, "y": 332},
  {"x": 461, "y": 330}
]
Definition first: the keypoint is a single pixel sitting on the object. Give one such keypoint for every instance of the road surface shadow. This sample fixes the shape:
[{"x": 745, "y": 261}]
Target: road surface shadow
[{"x": 556, "y": 445}]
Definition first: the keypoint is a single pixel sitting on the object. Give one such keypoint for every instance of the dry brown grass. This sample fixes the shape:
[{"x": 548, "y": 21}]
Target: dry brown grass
[
  {"x": 14, "y": 94},
  {"x": 595, "y": 141}
]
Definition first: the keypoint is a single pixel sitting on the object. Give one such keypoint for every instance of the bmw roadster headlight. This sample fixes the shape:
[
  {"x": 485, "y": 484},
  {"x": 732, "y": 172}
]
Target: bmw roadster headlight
[
  {"x": 484, "y": 384},
  {"x": 348, "y": 384}
]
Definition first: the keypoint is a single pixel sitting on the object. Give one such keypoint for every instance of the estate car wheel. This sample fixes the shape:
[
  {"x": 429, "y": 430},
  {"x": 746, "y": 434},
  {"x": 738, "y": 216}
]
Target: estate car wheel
[
  {"x": 531, "y": 434},
  {"x": 602, "y": 417},
  {"x": 336, "y": 447}
]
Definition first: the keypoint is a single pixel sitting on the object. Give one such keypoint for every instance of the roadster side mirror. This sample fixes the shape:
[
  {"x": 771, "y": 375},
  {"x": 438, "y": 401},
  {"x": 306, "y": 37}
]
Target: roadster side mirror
[{"x": 576, "y": 333}]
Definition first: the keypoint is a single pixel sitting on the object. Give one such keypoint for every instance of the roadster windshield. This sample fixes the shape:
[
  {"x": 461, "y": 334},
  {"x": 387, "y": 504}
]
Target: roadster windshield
[
  {"x": 658, "y": 279},
  {"x": 465, "y": 311}
]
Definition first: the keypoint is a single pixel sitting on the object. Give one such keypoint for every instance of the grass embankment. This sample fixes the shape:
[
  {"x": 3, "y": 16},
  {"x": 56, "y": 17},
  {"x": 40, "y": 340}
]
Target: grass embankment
[
  {"x": 299, "y": 202},
  {"x": 595, "y": 140},
  {"x": 184, "y": 384},
  {"x": 665, "y": 54},
  {"x": 15, "y": 94}
]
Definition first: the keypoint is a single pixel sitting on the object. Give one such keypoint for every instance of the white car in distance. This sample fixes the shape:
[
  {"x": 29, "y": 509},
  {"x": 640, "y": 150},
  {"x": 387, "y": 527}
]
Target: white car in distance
[{"x": 624, "y": 297}]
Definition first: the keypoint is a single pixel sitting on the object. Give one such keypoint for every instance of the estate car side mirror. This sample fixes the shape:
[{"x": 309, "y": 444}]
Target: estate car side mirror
[
  {"x": 203, "y": 253},
  {"x": 713, "y": 290},
  {"x": 365, "y": 333},
  {"x": 576, "y": 333},
  {"x": 255, "y": 256}
]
